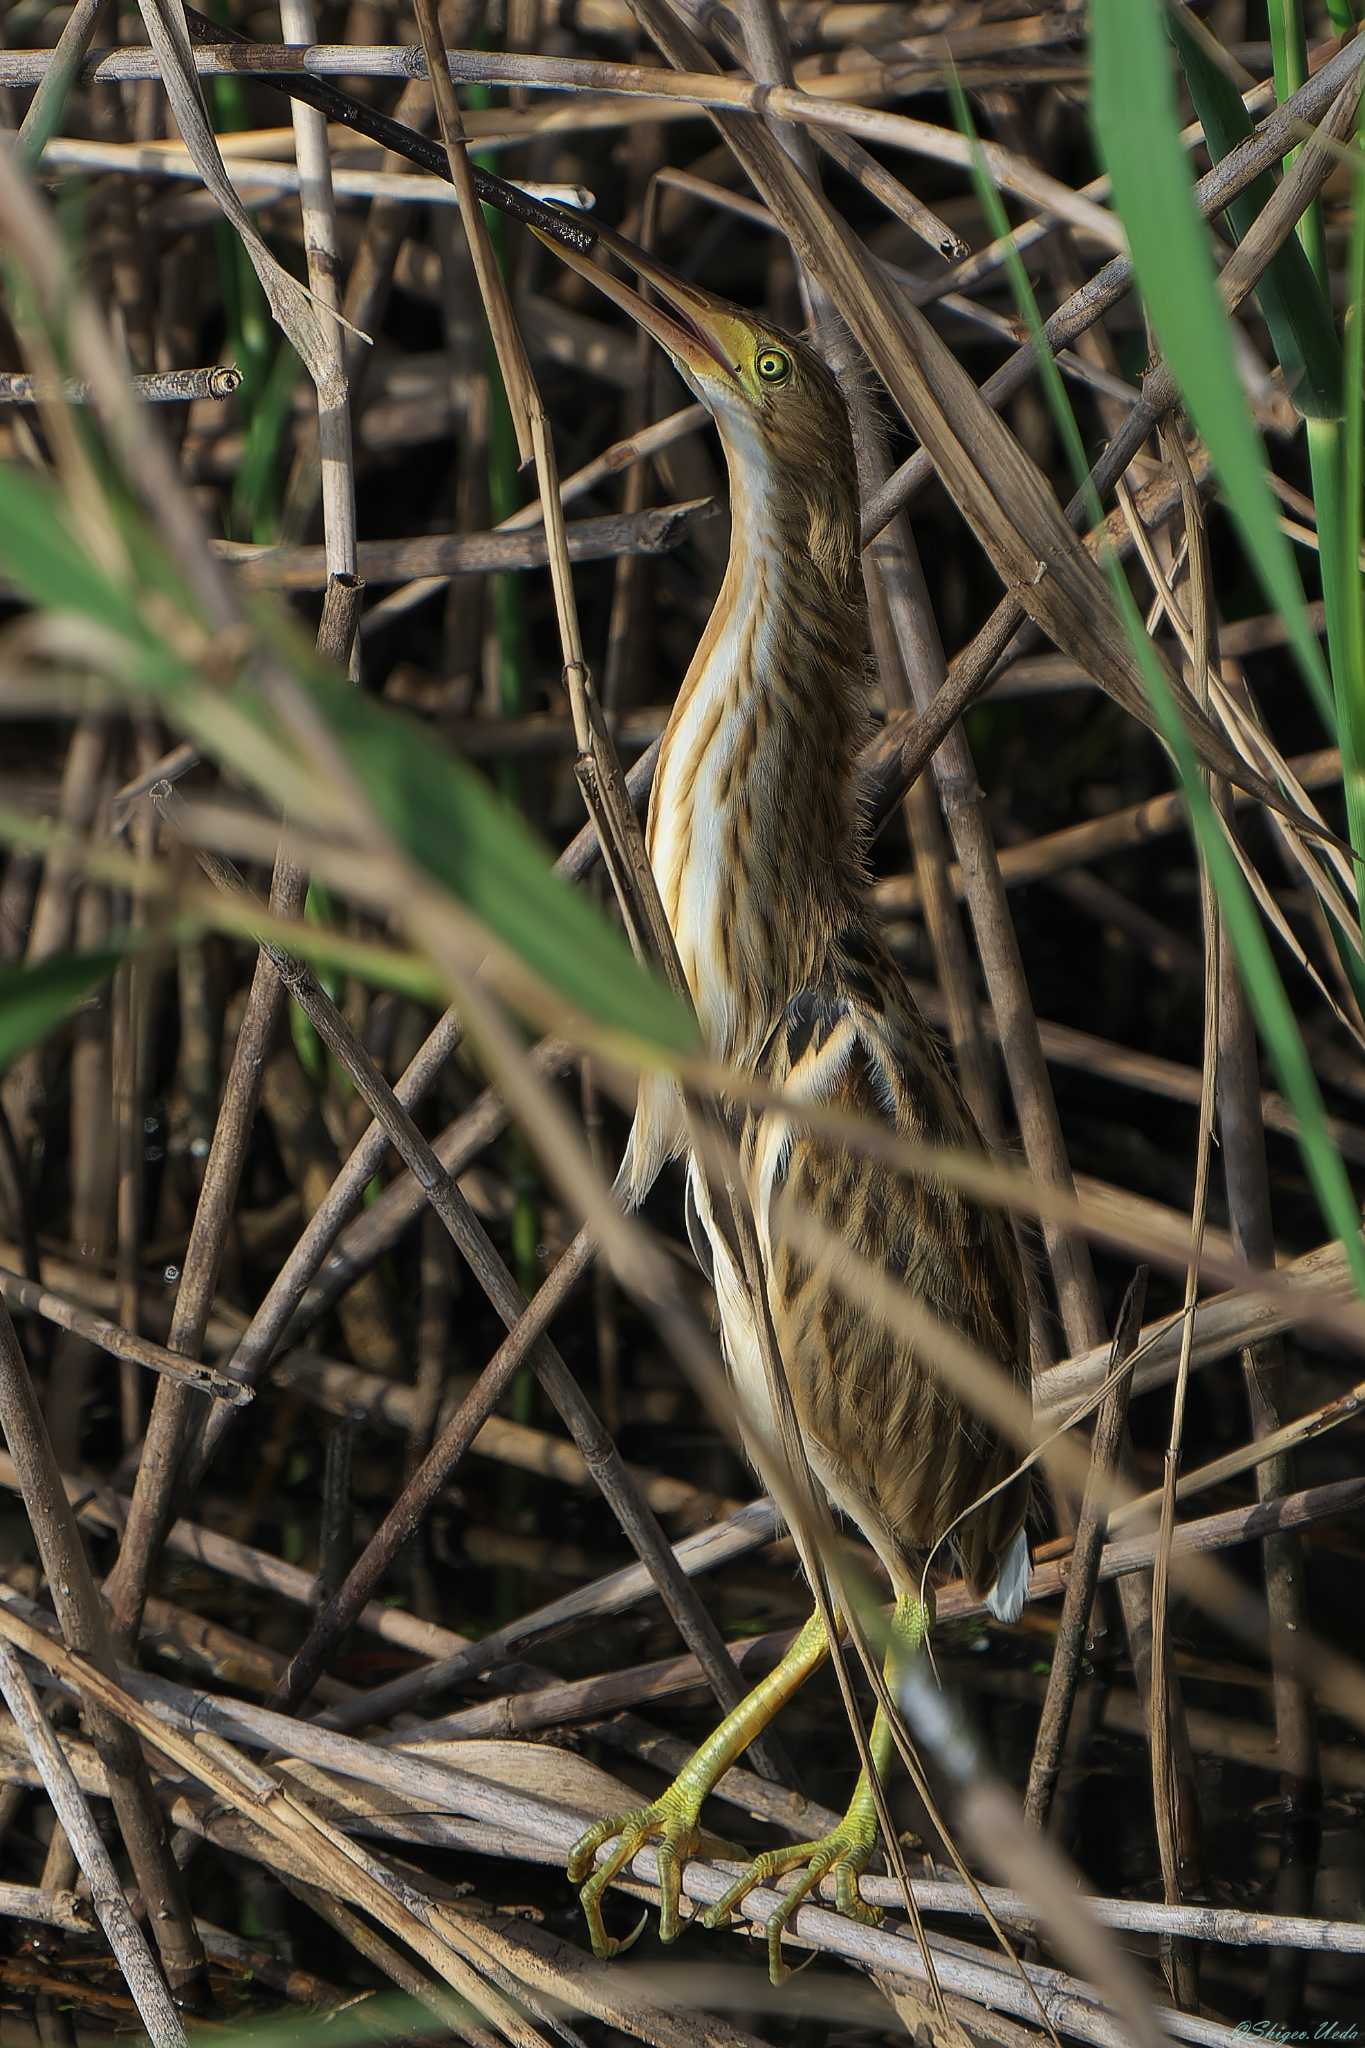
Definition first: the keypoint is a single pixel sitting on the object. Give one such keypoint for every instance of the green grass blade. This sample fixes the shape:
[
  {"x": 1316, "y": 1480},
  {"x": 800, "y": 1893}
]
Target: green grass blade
[
  {"x": 1138, "y": 135},
  {"x": 40, "y": 553},
  {"x": 1260, "y": 977},
  {"x": 35, "y": 1000},
  {"x": 1349, "y": 671},
  {"x": 1292, "y": 301},
  {"x": 1265, "y": 990},
  {"x": 454, "y": 825},
  {"x": 443, "y": 815},
  {"x": 1289, "y": 53},
  {"x": 1328, "y": 468},
  {"x": 258, "y": 486}
]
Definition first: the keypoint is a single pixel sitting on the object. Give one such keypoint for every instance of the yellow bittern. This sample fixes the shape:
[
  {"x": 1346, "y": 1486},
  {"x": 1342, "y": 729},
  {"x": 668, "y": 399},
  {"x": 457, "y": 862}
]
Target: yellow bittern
[{"x": 758, "y": 846}]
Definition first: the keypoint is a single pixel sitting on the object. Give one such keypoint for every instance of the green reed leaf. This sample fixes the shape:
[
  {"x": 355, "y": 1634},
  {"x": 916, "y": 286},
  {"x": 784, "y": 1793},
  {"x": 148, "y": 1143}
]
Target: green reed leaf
[
  {"x": 1138, "y": 134},
  {"x": 1261, "y": 978},
  {"x": 449, "y": 820},
  {"x": 35, "y": 1000},
  {"x": 1296, "y": 312},
  {"x": 443, "y": 815}
]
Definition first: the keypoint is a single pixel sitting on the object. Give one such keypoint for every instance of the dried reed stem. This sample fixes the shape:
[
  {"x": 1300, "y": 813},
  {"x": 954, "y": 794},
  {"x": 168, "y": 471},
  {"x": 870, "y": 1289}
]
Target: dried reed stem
[{"x": 85, "y": 1626}]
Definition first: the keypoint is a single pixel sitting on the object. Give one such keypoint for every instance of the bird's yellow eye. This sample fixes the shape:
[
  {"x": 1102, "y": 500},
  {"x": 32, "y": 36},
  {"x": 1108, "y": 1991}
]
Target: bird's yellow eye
[{"x": 773, "y": 366}]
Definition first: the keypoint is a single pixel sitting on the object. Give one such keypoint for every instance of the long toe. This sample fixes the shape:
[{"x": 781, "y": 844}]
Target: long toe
[
  {"x": 583, "y": 1854},
  {"x": 850, "y": 1901},
  {"x": 675, "y": 1846},
  {"x": 772, "y": 1864},
  {"x": 761, "y": 1871},
  {"x": 846, "y": 1852},
  {"x": 628, "y": 1834},
  {"x": 810, "y": 1880}
]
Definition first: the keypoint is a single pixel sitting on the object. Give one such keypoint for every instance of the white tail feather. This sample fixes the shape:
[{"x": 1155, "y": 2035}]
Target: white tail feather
[{"x": 1006, "y": 1597}]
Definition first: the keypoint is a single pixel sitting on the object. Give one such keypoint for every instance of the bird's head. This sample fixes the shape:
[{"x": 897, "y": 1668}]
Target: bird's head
[{"x": 778, "y": 406}]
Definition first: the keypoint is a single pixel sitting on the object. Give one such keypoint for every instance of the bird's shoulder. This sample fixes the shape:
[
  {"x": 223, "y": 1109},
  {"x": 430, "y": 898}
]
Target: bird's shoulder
[{"x": 854, "y": 1036}]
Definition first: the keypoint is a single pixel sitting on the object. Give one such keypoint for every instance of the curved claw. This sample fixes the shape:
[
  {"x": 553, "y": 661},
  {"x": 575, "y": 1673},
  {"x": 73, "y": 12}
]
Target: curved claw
[
  {"x": 780, "y": 1973},
  {"x": 676, "y": 1828},
  {"x": 846, "y": 1851}
]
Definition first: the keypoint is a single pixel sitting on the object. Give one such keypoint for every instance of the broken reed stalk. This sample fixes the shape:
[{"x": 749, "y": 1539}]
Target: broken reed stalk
[
  {"x": 322, "y": 246},
  {"x": 656, "y": 531},
  {"x": 154, "y": 387},
  {"x": 119, "y": 1342}
]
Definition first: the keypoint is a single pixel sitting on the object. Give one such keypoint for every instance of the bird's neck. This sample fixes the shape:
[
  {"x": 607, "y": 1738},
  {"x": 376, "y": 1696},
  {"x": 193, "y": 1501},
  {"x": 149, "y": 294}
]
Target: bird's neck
[{"x": 753, "y": 828}]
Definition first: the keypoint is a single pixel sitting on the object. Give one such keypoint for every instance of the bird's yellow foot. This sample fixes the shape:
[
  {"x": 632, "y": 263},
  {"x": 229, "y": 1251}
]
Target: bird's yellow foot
[
  {"x": 846, "y": 1851},
  {"x": 672, "y": 1819}
]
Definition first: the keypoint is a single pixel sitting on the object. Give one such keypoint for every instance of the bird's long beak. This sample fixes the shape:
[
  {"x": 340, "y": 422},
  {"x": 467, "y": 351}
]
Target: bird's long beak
[{"x": 703, "y": 334}]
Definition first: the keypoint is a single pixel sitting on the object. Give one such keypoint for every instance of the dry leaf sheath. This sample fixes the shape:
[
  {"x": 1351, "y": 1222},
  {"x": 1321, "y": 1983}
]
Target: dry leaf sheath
[{"x": 757, "y": 845}]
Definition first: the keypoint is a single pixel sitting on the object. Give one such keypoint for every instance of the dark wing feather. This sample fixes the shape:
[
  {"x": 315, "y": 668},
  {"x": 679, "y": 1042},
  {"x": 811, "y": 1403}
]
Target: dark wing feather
[
  {"x": 889, "y": 1424},
  {"x": 696, "y": 1231}
]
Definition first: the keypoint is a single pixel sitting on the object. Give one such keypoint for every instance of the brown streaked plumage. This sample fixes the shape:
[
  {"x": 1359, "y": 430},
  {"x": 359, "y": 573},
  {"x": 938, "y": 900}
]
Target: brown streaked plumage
[{"x": 757, "y": 844}]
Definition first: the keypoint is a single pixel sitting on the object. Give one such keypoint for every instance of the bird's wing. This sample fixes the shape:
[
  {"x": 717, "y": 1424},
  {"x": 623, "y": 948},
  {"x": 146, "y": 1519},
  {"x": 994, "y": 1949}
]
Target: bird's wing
[
  {"x": 890, "y": 1428},
  {"x": 699, "y": 1230}
]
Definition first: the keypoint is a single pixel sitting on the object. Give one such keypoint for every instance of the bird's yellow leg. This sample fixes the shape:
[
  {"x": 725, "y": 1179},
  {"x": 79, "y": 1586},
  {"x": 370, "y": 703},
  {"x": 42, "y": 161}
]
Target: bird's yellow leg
[
  {"x": 847, "y": 1849},
  {"x": 672, "y": 1817}
]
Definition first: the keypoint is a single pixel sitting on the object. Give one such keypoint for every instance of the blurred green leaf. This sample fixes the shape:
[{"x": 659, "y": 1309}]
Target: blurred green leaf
[
  {"x": 45, "y": 560},
  {"x": 1260, "y": 977},
  {"x": 1270, "y": 1004},
  {"x": 40, "y": 554},
  {"x": 1138, "y": 134},
  {"x": 1298, "y": 316},
  {"x": 448, "y": 819},
  {"x": 444, "y": 816},
  {"x": 380, "y": 2018},
  {"x": 35, "y": 1000}
]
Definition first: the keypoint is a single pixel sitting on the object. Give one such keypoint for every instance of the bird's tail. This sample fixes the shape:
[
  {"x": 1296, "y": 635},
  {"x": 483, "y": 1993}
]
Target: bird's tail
[
  {"x": 656, "y": 1136},
  {"x": 1006, "y": 1597}
]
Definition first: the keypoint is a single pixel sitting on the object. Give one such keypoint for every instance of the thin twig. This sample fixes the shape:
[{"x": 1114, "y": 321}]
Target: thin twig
[
  {"x": 1087, "y": 1548},
  {"x": 156, "y": 387},
  {"x": 118, "y": 1342},
  {"x": 653, "y": 532}
]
